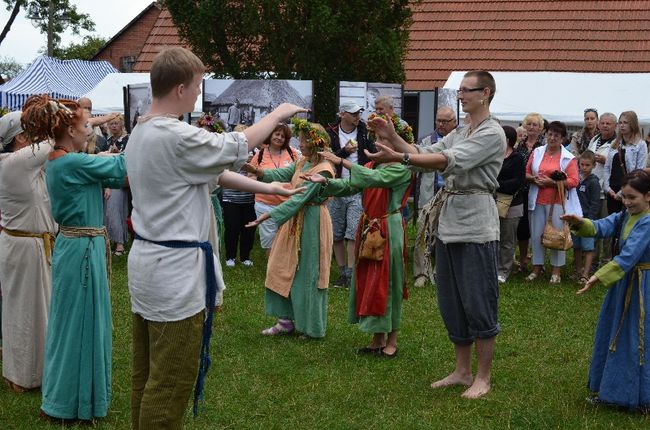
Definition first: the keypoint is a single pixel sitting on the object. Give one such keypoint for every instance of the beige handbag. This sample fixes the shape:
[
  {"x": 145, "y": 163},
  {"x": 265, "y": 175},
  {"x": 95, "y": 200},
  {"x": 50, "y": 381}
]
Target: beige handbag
[
  {"x": 372, "y": 242},
  {"x": 503, "y": 203},
  {"x": 552, "y": 237}
]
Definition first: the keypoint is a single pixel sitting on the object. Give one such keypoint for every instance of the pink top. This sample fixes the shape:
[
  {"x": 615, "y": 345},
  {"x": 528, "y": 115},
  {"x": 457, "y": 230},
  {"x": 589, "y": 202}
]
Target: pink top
[
  {"x": 273, "y": 162},
  {"x": 548, "y": 165}
]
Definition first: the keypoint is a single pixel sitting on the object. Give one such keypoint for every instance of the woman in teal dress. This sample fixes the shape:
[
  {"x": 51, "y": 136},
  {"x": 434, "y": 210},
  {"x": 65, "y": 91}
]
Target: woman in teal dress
[
  {"x": 77, "y": 369},
  {"x": 619, "y": 372},
  {"x": 298, "y": 269}
]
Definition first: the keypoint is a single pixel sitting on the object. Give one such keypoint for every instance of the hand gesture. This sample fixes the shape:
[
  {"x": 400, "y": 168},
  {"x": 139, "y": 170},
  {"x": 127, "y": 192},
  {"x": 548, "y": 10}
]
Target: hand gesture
[
  {"x": 259, "y": 220},
  {"x": 572, "y": 219},
  {"x": 330, "y": 156},
  {"x": 287, "y": 110},
  {"x": 384, "y": 154},
  {"x": 107, "y": 193},
  {"x": 249, "y": 168},
  {"x": 279, "y": 189},
  {"x": 315, "y": 178},
  {"x": 590, "y": 283}
]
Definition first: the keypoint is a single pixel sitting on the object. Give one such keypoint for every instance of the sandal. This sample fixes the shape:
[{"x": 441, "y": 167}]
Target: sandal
[
  {"x": 555, "y": 279},
  {"x": 532, "y": 276},
  {"x": 281, "y": 327},
  {"x": 118, "y": 253}
]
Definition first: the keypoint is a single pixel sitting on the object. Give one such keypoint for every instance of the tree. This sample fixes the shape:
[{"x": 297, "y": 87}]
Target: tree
[
  {"x": 85, "y": 50},
  {"x": 51, "y": 17},
  {"x": 322, "y": 40},
  {"x": 9, "y": 67}
]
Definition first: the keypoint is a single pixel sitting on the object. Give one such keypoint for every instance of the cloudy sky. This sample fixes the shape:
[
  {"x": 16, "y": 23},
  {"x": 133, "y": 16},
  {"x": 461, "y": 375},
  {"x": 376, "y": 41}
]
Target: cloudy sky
[{"x": 24, "y": 41}]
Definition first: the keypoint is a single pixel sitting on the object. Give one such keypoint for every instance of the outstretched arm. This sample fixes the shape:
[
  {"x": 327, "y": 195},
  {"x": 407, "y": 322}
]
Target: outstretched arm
[
  {"x": 262, "y": 129},
  {"x": 235, "y": 181}
]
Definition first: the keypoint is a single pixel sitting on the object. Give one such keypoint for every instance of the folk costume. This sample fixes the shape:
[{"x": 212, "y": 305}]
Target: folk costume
[
  {"x": 378, "y": 286},
  {"x": 299, "y": 264},
  {"x": 26, "y": 242},
  {"x": 78, "y": 348},
  {"x": 619, "y": 371}
]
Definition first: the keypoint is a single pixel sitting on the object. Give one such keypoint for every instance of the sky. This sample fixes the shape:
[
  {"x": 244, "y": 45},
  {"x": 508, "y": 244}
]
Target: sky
[{"x": 24, "y": 41}]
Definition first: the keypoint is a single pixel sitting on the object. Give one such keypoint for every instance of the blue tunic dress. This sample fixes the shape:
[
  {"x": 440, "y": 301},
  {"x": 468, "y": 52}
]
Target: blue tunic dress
[
  {"x": 619, "y": 371},
  {"x": 78, "y": 344}
]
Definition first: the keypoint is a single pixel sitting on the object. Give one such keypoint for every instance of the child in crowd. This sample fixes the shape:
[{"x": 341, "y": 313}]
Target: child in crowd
[
  {"x": 589, "y": 195},
  {"x": 618, "y": 372}
]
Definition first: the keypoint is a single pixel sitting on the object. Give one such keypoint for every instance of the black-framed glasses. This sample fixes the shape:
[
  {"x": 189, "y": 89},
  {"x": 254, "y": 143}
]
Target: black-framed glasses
[
  {"x": 591, "y": 110},
  {"x": 468, "y": 90}
]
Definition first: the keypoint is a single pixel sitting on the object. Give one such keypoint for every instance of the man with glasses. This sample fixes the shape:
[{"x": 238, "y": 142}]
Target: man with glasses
[
  {"x": 349, "y": 139},
  {"x": 428, "y": 183},
  {"x": 600, "y": 145}
]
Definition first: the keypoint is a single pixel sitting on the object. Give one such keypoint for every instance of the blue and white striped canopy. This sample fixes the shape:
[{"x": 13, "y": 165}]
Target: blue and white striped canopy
[{"x": 68, "y": 79}]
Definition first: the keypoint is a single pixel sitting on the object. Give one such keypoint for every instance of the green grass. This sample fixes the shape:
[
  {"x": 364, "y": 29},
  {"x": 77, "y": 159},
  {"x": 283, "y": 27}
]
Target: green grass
[{"x": 539, "y": 376}]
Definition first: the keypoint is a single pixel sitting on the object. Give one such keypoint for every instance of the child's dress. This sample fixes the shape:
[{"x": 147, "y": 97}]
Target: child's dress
[{"x": 619, "y": 370}]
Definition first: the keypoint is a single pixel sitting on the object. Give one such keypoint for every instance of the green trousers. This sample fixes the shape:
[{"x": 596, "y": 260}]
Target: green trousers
[{"x": 165, "y": 365}]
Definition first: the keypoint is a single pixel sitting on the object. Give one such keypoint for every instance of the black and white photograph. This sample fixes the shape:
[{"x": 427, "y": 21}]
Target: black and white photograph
[
  {"x": 449, "y": 97},
  {"x": 246, "y": 101},
  {"x": 138, "y": 102},
  {"x": 365, "y": 93}
]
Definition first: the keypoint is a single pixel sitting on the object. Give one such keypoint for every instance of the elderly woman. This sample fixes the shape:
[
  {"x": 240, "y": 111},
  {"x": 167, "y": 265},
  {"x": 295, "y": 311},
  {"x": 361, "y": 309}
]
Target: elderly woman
[
  {"x": 26, "y": 244},
  {"x": 534, "y": 125},
  {"x": 580, "y": 139},
  {"x": 116, "y": 208},
  {"x": 546, "y": 165}
]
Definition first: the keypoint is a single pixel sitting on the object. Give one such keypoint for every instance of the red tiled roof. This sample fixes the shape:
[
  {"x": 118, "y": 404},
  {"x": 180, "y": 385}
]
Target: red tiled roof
[
  {"x": 163, "y": 35},
  {"x": 504, "y": 35}
]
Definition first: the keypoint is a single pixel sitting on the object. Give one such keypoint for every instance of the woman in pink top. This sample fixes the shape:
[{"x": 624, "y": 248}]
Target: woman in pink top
[
  {"x": 543, "y": 164},
  {"x": 275, "y": 153}
]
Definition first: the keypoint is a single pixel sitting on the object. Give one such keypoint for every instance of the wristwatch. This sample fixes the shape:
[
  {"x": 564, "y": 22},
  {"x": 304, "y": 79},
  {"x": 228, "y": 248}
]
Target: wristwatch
[{"x": 406, "y": 160}]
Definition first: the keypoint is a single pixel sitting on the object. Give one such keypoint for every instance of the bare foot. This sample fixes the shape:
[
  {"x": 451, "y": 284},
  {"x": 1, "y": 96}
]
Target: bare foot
[
  {"x": 453, "y": 379},
  {"x": 390, "y": 349},
  {"x": 478, "y": 389}
]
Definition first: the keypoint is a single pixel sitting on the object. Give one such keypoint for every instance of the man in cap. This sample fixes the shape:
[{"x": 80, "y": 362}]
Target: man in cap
[{"x": 349, "y": 140}]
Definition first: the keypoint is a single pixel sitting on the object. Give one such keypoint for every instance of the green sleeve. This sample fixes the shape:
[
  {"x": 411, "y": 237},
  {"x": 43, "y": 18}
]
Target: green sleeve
[
  {"x": 586, "y": 229},
  {"x": 339, "y": 188},
  {"x": 610, "y": 273},
  {"x": 388, "y": 176},
  {"x": 279, "y": 175},
  {"x": 284, "y": 211}
]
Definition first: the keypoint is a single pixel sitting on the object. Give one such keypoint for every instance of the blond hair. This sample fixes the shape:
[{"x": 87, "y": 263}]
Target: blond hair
[
  {"x": 173, "y": 67},
  {"x": 533, "y": 116},
  {"x": 386, "y": 101}
]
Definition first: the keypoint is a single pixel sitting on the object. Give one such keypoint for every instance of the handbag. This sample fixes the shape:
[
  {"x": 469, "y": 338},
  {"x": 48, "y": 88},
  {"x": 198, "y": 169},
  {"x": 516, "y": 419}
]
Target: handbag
[
  {"x": 553, "y": 237},
  {"x": 503, "y": 203},
  {"x": 372, "y": 242}
]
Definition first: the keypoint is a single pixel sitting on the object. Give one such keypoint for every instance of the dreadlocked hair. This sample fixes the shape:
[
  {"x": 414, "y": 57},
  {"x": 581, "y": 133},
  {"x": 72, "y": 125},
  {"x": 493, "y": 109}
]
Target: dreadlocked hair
[
  {"x": 45, "y": 118},
  {"x": 286, "y": 131}
]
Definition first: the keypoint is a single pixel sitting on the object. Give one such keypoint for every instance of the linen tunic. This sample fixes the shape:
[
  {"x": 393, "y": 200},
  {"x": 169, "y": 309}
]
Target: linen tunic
[
  {"x": 618, "y": 376},
  {"x": 25, "y": 275},
  {"x": 473, "y": 164},
  {"x": 78, "y": 347},
  {"x": 306, "y": 303},
  {"x": 378, "y": 287}
]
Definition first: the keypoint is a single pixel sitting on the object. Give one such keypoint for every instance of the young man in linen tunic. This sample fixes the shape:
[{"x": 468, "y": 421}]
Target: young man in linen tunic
[
  {"x": 468, "y": 229},
  {"x": 170, "y": 165}
]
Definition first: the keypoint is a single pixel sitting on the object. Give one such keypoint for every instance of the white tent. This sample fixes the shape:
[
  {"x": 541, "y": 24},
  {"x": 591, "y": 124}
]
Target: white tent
[
  {"x": 563, "y": 96},
  {"x": 108, "y": 95}
]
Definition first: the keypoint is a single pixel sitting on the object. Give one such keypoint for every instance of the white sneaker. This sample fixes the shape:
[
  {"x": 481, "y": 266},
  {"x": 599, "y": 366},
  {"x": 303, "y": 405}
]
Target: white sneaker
[
  {"x": 247, "y": 263},
  {"x": 230, "y": 263},
  {"x": 501, "y": 279},
  {"x": 420, "y": 282}
]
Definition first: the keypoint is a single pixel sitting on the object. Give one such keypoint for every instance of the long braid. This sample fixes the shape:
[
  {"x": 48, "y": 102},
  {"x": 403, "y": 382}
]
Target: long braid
[{"x": 44, "y": 118}]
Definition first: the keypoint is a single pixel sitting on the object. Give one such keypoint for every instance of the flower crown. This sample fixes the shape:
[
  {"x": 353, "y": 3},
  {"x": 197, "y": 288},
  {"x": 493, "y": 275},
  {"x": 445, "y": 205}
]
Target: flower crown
[
  {"x": 3, "y": 111},
  {"x": 404, "y": 130},
  {"x": 313, "y": 135},
  {"x": 208, "y": 120}
]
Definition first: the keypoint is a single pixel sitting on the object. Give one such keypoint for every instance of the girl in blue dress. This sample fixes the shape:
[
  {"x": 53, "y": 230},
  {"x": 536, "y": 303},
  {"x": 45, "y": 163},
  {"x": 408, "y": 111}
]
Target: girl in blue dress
[{"x": 619, "y": 373}]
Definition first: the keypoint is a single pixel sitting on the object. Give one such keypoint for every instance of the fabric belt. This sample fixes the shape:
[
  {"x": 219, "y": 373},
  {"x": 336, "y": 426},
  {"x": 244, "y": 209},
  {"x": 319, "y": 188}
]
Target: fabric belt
[
  {"x": 48, "y": 240},
  {"x": 638, "y": 271},
  {"x": 210, "y": 301},
  {"x": 75, "y": 232}
]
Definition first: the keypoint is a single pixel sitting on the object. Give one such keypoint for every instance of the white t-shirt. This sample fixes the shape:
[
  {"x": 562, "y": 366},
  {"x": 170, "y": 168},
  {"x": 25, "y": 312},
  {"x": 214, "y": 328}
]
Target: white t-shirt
[
  {"x": 353, "y": 157},
  {"x": 170, "y": 165}
]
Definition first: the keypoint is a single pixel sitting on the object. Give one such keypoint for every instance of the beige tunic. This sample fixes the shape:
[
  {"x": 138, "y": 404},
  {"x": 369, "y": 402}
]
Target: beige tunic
[{"x": 25, "y": 275}]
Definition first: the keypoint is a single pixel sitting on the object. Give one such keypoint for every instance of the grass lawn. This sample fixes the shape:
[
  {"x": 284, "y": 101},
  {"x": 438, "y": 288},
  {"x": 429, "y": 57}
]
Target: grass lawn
[{"x": 539, "y": 377}]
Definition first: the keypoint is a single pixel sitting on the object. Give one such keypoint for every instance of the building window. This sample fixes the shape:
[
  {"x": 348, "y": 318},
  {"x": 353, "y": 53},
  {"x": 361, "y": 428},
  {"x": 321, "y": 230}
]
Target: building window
[{"x": 127, "y": 63}]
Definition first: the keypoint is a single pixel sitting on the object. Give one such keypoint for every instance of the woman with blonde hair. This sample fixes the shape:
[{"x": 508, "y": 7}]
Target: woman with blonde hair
[{"x": 116, "y": 208}]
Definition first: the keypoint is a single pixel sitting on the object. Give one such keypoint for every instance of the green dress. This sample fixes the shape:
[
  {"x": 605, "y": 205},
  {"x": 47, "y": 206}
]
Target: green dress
[
  {"x": 378, "y": 287},
  {"x": 307, "y": 303},
  {"x": 77, "y": 369}
]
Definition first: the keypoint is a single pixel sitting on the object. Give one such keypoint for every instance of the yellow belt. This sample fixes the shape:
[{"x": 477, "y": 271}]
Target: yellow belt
[
  {"x": 72, "y": 232},
  {"x": 639, "y": 269},
  {"x": 48, "y": 240}
]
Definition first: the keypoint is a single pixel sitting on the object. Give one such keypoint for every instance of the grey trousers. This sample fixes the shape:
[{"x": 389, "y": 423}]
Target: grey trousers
[{"x": 507, "y": 244}]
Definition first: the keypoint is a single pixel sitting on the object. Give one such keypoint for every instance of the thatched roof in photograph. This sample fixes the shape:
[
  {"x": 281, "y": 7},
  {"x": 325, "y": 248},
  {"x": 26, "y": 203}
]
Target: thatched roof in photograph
[{"x": 260, "y": 93}]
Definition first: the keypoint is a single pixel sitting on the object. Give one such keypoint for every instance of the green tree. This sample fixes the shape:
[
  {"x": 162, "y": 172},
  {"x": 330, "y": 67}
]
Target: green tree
[
  {"x": 85, "y": 50},
  {"x": 322, "y": 40},
  {"x": 9, "y": 67},
  {"x": 51, "y": 17}
]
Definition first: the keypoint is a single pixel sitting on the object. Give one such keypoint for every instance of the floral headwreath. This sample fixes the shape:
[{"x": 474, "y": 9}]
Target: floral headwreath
[
  {"x": 3, "y": 111},
  {"x": 404, "y": 130},
  {"x": 208, "y": 120},
  {"x": 313, "y": 135}
]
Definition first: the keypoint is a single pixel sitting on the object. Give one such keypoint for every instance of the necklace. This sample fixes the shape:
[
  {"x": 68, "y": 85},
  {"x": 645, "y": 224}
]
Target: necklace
[
  {"x": 61, "y": 148},
  {"x": 277, "y": 165}
]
